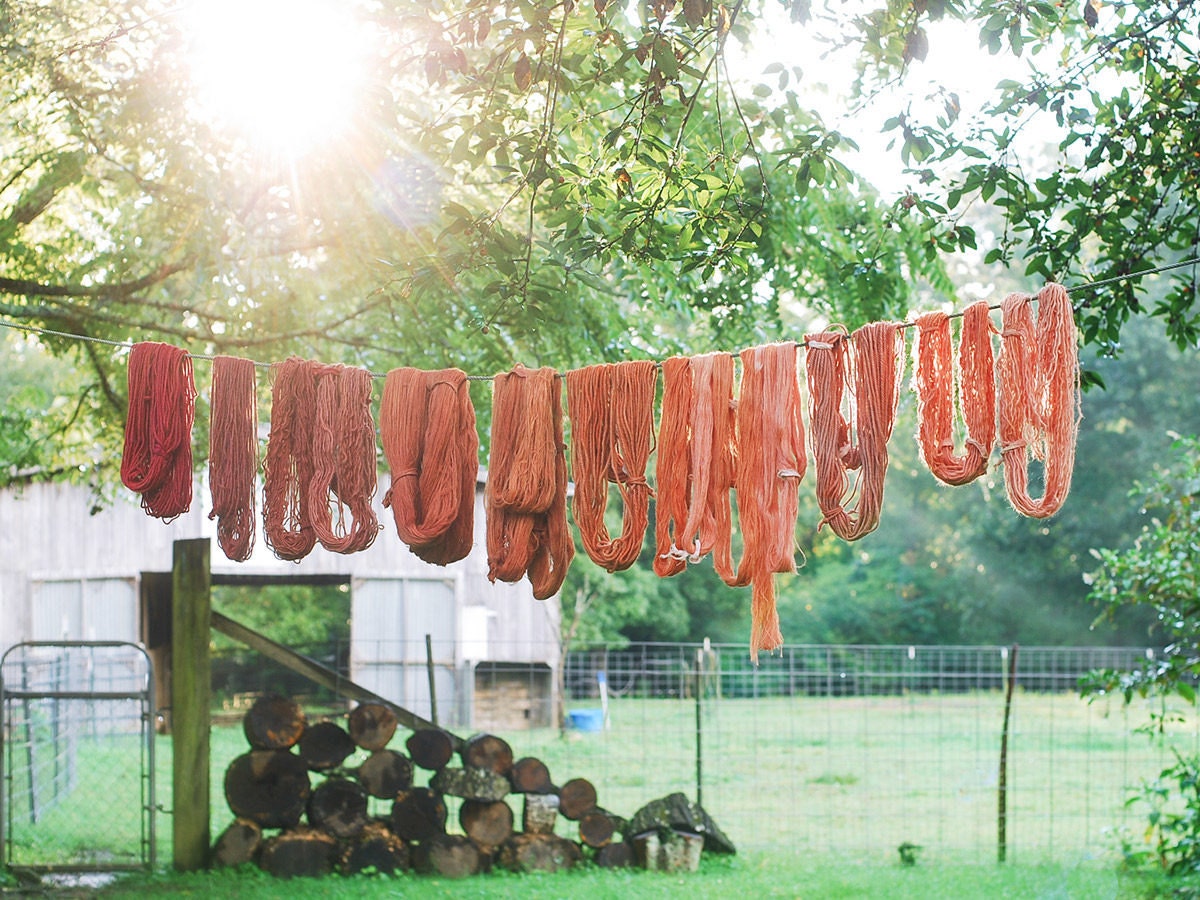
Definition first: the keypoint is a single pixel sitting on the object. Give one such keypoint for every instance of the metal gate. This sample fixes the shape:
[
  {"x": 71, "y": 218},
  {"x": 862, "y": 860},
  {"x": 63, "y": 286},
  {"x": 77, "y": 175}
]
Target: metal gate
[{"x": 77, "y": 743}]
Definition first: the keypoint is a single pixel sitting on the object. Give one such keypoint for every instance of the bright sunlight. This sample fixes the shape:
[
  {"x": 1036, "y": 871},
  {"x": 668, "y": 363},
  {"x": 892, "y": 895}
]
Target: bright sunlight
[{"x": 283, "y": 73}]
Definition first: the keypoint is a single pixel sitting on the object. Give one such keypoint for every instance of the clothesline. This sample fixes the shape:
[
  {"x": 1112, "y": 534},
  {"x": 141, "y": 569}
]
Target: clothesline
[{"x": 1082, "y": 288}]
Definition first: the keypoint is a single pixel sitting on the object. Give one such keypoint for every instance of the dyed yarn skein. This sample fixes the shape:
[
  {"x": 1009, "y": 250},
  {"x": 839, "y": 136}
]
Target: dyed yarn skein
[
  {"x": 427, "y": 426},
  {"x": 233, "y": 455},
  {"x": 288, "y": 464},
  {"x": 1039, "y": 398},
  {"x": 156, "y": 460},
  {"x": 936, "y": 378}
]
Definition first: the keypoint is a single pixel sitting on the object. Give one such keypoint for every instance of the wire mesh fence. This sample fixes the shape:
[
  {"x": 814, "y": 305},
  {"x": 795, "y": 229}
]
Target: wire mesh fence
[
  {"x": 77, "y": 753},
  {"x": 825, "y": 750}
]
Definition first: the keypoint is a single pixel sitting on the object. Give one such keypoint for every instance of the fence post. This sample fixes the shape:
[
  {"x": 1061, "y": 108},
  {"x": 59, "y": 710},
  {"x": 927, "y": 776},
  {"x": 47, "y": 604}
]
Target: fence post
[
  {"x": 699, "y": 727},
  {"x": 1002, "y": 789},
  {"x": 191, "y": 687}
]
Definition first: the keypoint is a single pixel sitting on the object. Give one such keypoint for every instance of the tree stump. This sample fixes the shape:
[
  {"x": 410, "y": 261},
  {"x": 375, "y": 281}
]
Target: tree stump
[
  {"x": 615, "y": 855},
  {"x": 268, "y": 787},
  {"x": 487, "y": 824},
  {"x": 324, "y": 745},
  {"x": 273, "y": 723},
  {"x": 385, "y": 773},
  {"x": 538, "y": 853},
  {"x": 541, "y": 810},
  {"x": 675, "y": 811},
  {"x": 596, "y": 828},
  {"x": 418, "y": 814},
  {"x": 529, "y": 775},
  {"x": 238, "y": 844},
  {"x": 301, "y": 852},
  {"x": 450, "y": 855},
  {"x": 670, "y": 851},
  {"x": 430, "y": 748},
  {"x": 486, "y": 751},
  {"x": 372, "y": 726},
  {"x": 374, "y": 849},
  {"x": 338, "y": 806},
  {"x": 471, "y": 784},
  {"x": 576, "y": 797}
]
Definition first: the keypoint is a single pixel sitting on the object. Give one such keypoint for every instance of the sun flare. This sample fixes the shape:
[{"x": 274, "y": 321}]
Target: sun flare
[{"x": 284, "y": 73}]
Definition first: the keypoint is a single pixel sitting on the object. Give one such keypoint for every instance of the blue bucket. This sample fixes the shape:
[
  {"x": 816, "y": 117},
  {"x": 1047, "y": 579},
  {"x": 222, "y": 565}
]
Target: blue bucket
[{"x": 586, "y": 719}]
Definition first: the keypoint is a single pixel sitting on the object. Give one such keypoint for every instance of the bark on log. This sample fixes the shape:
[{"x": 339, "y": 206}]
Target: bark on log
[
  {"x": 540, "y": 812},
  {"x": 338, "y": 806},
  {"x": 430, "y": 748},
  {"x": 675, "y": 811},
  {"x": 385, "y": 773},
  {"x": 576, "y": 797},
  {"x": 615, "y": 855},
  {"x": 301, "y": 852},
  {"x": 376, "y": 849},
  {"x": 596, "y": 828},
  {"x": 450, "y": 855},
  {"x": 488, "y": 824},
  {"x": 418, "y": 814},
  {"x": 372, "y": 726},
  {"x": 273, "y": 723},
  {"x": 324, "y": 745},
  {"x": 530, "y": 776},
  {"x": 486, "y": 751},
  {"x": 269, "y": 787},
  {"x": 538, "y": 853},
  {"x": 672, "y": 851},
  {"x": 238, "y": 844},
  {"x": 471, "y": 784}
]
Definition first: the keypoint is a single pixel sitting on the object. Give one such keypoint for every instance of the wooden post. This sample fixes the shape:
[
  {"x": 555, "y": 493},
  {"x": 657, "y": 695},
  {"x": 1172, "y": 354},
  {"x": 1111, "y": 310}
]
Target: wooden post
[{"x": 191, "y": 686}]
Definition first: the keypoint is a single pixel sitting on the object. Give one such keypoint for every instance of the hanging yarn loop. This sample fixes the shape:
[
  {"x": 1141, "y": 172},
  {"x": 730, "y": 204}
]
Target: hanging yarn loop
[
  {"x": 611, "y": 408},
  {"x": 233, "y": 455},
  {"x": 1039, "y": 397},
  {"x": 427, "y": 427},
  {"x": 288, "y": 464},
  {"x": 157, "y": 458},
  {"x": 937, "y": 376}
]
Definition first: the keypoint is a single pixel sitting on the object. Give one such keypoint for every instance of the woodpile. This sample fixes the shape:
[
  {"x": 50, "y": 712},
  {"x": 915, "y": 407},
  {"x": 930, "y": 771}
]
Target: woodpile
[{"x": 311, "y": 798}]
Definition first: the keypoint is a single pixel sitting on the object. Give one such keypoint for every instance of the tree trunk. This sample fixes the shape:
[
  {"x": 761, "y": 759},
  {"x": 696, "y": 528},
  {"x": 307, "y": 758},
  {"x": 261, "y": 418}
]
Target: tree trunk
[
  {"x": 418, "y": 814},
  {"x": 430, "y": 748},
  {"x": 538, "y": 853},
  {"x": 615, "y": 855},
  {"x": 471, "y": 784},
  {"x": 488, "y": 824},
  {"x": 486, "y": 751},
  {"x": 325, "y": 745},
  {"x": 338, "y": 806},
  {"x": 671, "y": 851},
  {"x": 540, "y": 812},
  {"x": 238, "y": 844},
  {"x": 576, "y": 797},
  {"x": 372, "y": 726},
  {"x": 675, "y": 811},
  {"x": 269, "y": 787},
  {"x": 451, "y": 855},
  {"x": 530, "y": 776},
  {"x": 375, "y": 848},
  {"x": 273, "y": 723},
  {"x": 301, "y": 852},
  {"x": 385, "y": 773},
  {"x": 596, "y": 828}
]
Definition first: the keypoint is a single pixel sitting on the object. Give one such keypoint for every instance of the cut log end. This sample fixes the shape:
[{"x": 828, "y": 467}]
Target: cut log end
[
  {"x": 299, "y": 853},
  {"x": 325, "y": 745},
  {"x": 576, "y": 797},
  {"x": 538, "y": 853},
  {"x": 273, "y": 723},
  {"x": 268, "y": 787},
  {"x": 418, "y": 814},
  {"x": 385, "y": 773},
  {"x": 530, "y": 776},
  {"x": 489, "y": 824},
  {"x": 375, "y": 849},
  {"x": 615, "y": 855},
  {"x": 372, "y": 726},
  {"x": 430, "y": 748},
  {"x": 487, "y": 751},
  {"x": 238, "y": 844},
  {"x": 338, "y": 806},
  {"x": 596, "y": 828},
  {"x": 451, "y": 856}
]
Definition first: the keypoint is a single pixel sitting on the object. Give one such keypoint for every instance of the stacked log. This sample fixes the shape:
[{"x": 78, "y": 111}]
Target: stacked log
[{"x": 365, "y": 814}]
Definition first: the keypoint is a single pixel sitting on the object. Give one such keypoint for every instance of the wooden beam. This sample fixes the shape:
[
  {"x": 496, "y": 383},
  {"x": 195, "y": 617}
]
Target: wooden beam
[
  {"x": 317, "y": 673},
  {"x": 191, "y": 688}
]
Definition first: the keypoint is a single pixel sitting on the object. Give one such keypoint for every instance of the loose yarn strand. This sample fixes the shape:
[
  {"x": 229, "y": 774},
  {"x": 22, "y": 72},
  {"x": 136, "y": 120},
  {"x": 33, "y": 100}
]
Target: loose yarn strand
[
  {"x": 427, "y": 426},
  {"x": 344, "y": 472},
  {"x": 771, "y": 464},
  {"x": 611, "y": 408},
  {"x": 156, "y": 461},
  {"x": 935, "y": 377},
  {"x": 233, "y": 455},
  {"x": 875, "y": 355},
  {"x": 1039, "y": 398}
]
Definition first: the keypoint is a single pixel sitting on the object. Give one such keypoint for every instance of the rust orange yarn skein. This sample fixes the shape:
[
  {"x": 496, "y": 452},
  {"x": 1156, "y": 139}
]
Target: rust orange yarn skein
[{"x": 233, "y": 455}]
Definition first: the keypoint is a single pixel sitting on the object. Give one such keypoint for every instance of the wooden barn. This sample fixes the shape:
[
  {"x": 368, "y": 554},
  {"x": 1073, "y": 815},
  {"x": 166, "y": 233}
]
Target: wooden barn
[{"x": 71, "y": 572}]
